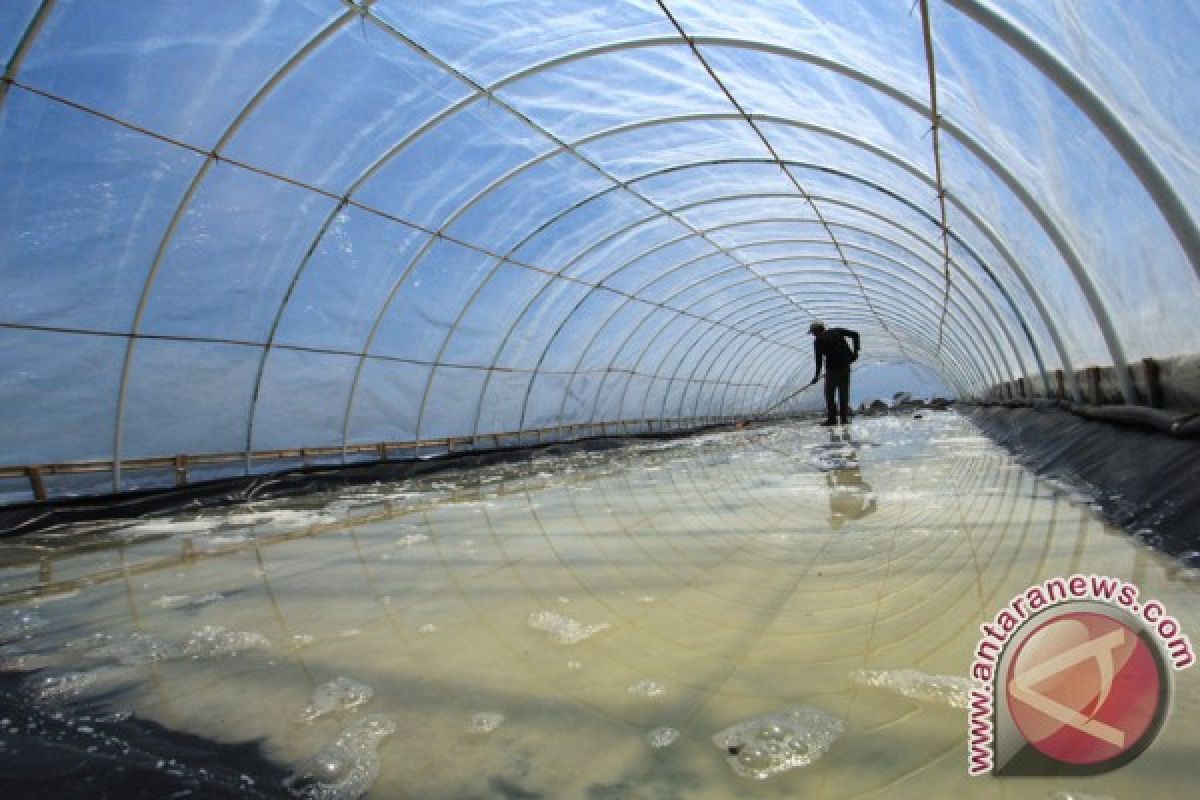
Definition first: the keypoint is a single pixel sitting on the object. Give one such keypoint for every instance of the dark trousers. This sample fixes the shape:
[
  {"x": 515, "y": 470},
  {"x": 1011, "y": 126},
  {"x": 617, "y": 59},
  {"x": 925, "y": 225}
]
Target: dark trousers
[{"x": 837, "y": 381}]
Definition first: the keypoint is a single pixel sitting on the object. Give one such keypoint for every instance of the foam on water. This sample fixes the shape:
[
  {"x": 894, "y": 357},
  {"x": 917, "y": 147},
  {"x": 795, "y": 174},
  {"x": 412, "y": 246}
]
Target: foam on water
[
  {"x": 130, "y": 649},
  {"x": 55, "y": 686},
  {"x": 647, "y": 689},
  {"x": 278, "y": 518},
  {"x": 563, "y": 629},
  {"x": 339, "y": 694},
  {"x": 950, "y": 690},
  {"x": 768, "y": 744},
  {"x": 345, "y": 768},
  {"x": 662, "y": 737},
  {"x": 173, "y": 526},
  {"x": 484, "y": 722},
  {"x": 17, "y": 622},
  {"x": 215, "y": 640}
]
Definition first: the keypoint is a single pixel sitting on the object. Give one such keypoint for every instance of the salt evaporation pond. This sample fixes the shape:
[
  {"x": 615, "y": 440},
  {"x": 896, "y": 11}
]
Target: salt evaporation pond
[{"x": 595, "y": 625}]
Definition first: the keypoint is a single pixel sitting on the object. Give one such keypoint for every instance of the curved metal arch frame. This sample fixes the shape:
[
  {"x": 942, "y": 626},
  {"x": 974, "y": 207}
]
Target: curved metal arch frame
[
  {"x": 567, "y": 317},
  {"x": 965, "y": 273},
  {"x": 563, "y": 148},
  {"x": 693, "y": 337},
  {"x": 719, "y": 358},
  {"x": 609, "y": 371},
  {"x": 680, "y": 337},
  {"x": 650, "y": 341},
  {"x": 539, "y": 159},
  {"x": 976, "y": 340},
  {"x": 949, "y": 366},
  {"x": 185, "y": 202},
  {"x": 629, "y": 298},
  {"x": 32, "y": 30},
  {"x": 500, "y": 260},
  {"x": 712, "y": 364},
  {"x": 896, "y": 161},
  {"x": 1031, "y": 292},
  {"x": 712, "y": 359},
  {"x": 365, "y": 12},
  {"x": 752, "y": 363},
  {"x": 682, "y": 289},
  {"x": 977, "y": 149},
  {"x": 1044, "y": 315},
  {"x": 968, "y": 299},
  {"x": 964, "y": 306},
  {"x": 533, "y": 300},
  {"x": 784, "y": 378},
  {"x": 1012, "y": 344},
  {"x": 718, "y": 274},
  {"x": 1106, "y": 120},
  {"x": 679, "y": 363},
  {"x": 570, "y": 315},
  {"x": 857, "y": 263},
  {"x": 786, "y": 357},
  {"x": 781, "y": 374},
  {"x": 505, "y": 258},
  {"x": 572, "y": 149},
  {"x": 890, "y": 298},
  {"x": 976, "y": 316},
  {"x": 1068, "y": 80},
  {"x": 948, "y": 362},
  {"x": 912, "y": 169}
]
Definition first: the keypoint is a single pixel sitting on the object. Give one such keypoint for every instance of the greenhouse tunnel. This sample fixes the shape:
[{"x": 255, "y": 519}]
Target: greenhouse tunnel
[{"x": 279, "y": 272}]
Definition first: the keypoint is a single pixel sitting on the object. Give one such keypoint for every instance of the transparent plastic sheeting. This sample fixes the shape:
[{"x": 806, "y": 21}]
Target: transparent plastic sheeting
[{"x": 242, "y": 225}]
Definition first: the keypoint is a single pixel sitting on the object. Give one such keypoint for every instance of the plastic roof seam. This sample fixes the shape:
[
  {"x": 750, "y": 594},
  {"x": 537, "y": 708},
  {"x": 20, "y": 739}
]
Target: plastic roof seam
[
  {"x": 560, "y": 204},
  {"x": 974, "y": 147},
  {"x": 1044, "y": 314},
  {"x": 13, "y": 67},
  {"x": 1073, "y": 86},
  {"x": 984, "y": 334},
  {"x": 184, "y": 203},
  {"x": 633, "y": 332},
  {"x": 735, "y": 161},
  {"x": 927, "y": 40},
  {"x": 540, "y": 129},
  {"x": 912, "y": 169},
  {"x": 766, "y": 142}
]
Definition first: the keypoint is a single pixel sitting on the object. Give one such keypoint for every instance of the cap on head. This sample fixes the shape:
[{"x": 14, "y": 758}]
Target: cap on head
[{"x": 816, "y": 327}]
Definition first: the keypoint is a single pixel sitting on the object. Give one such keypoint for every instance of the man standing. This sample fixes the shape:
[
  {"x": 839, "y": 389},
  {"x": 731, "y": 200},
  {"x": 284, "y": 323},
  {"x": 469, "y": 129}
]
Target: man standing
[{"x": 830, "y": 346}]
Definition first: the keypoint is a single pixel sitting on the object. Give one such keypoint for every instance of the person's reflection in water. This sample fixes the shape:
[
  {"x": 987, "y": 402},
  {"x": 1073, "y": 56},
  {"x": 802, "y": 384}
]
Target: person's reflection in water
[{"x": 850, "y": 497}]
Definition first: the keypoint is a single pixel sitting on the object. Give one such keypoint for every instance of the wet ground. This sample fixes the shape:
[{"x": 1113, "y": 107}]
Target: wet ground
[{"x": 781, "y": 612}]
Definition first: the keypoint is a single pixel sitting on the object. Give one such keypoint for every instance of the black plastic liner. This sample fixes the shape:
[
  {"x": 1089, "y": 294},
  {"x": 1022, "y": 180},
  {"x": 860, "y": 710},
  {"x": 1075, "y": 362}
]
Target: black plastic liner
[
  {"x": 1143, "y": 479},
  {"x": 46, "y": 755},
  {"x": 24, "y": 518}
]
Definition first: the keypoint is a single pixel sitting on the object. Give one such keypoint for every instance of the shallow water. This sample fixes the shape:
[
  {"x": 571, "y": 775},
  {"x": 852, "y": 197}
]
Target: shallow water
[{"x": 595, "y": 625}]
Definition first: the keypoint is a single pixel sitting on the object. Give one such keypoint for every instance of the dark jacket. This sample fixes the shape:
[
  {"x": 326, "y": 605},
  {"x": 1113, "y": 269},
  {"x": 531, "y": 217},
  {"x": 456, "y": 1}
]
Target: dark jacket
[{"x": 830, "y": 346}]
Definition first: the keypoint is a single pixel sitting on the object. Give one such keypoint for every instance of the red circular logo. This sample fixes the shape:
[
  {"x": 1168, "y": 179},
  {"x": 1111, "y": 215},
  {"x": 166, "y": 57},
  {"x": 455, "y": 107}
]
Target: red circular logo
[{"x": 1085, "y": 688}]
